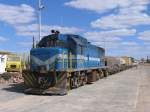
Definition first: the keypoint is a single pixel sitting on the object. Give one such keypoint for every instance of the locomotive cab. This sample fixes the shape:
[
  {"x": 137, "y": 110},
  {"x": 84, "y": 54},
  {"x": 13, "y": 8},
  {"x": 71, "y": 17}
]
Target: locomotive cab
[{"x": 48, "y": 53}]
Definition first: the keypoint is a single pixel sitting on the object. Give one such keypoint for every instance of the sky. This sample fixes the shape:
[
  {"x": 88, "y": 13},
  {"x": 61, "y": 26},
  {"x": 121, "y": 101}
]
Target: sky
[{"x": 122, "y": 27}]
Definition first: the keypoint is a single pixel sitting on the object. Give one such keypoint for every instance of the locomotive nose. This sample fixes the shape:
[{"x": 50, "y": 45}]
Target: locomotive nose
[
  {"x": 44, "y": 73},
  {"x": 43, "y": 60}
]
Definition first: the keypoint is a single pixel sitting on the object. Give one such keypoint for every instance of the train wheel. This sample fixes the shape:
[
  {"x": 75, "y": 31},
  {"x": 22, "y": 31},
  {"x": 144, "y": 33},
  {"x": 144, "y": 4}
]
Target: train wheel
[
  {"x": 77, "y": 82},
  {"x": 71, "y": 83},
  {"x": 97, "y": 75},
  {"x": 74, "y": 82},
  {"x": 85, "y": 81},
  {"x": 68, "y": 84},
  {"x": 101, "y": 74},
  {"x": 94, "y": 76},
  {"x": 106, "y": 73}
]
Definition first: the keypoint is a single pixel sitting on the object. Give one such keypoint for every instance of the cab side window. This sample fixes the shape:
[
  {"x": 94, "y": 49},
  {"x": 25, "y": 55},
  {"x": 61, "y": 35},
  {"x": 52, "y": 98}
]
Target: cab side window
[{"x": 80, "y": 50}]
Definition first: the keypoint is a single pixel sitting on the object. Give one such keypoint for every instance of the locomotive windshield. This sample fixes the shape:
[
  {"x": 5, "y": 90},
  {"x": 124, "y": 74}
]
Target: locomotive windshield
[{"x": 51, "y": 41}]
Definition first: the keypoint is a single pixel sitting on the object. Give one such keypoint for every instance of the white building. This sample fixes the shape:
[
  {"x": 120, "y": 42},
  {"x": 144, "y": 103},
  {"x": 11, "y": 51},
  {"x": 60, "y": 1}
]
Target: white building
[{"x": 3, "y": 60}]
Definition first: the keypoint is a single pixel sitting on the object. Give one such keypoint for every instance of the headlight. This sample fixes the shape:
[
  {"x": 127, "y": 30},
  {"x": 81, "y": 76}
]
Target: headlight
[{"x": 42, "y": 69}]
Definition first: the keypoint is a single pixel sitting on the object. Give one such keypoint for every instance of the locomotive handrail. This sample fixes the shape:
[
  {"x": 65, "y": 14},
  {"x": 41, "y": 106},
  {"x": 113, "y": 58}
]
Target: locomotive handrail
[
  {"x": 70, "y": 61},
  {"x": 62, "y": 60}
]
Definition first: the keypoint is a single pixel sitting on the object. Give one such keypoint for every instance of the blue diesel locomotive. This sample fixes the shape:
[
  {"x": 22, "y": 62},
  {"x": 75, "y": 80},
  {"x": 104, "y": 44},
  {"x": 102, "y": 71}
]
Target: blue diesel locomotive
[{"x": 61, "y": 62}]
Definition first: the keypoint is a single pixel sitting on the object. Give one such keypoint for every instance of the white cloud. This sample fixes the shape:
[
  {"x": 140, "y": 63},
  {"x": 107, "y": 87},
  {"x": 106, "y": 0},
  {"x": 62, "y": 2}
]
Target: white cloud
[
  {"x": 17, "y": 14},
  {"x": 121, "y": 21},
  {"x": 126, "y": 51},
  {"x": 62, "y": 29},
  {"x": 130, "y": 12},
  {"x": 127, "y": 17},
  {"x": 145, "y": 35},
  {"x": 117, "y": 45},
  {"x": 112, "y": 39},
  {"x": 112, "y": 35},
  {"x": 32, "y": 30},
  {"x": 23, "y": 17},
  {"x": 129, "y": 44},
  {"x": 99, "y": 6},
  {"x": 25, "y": 44},
  {"x": 147, "y": 43},
  {"x": 105, "y": 5},
  {"x": 3, "y": 39},
  {"x": 137, "y": 51}
]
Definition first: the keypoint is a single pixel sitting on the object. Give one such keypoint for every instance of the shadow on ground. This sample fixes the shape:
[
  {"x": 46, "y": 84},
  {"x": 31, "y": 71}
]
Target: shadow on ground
[{"x": 17, "y": 88}]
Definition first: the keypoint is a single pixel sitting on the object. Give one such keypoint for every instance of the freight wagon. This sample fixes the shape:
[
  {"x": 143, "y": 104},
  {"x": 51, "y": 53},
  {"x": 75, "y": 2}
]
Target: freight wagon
[
  {"x": 61, "y": 62},
  {"x": 113, "y": 64},
  {"x": 117, "y": 64}
]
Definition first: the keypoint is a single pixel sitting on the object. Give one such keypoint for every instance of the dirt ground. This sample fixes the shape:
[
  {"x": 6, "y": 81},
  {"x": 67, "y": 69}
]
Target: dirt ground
[{"x": 127, "y": 91}]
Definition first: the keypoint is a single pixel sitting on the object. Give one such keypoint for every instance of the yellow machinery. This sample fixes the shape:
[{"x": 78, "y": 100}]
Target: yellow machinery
[{"x": 14, "y": 63}]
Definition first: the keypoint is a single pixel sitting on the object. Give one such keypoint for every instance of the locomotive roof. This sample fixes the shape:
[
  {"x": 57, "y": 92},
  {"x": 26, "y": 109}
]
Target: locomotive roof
[
  {"x": 76, "y": 38},
  {"x": 82, "y": 41}
]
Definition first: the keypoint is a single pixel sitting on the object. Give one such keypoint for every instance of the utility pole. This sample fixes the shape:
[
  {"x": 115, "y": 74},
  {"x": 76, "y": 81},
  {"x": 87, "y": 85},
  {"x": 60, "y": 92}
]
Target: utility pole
[
  {"x": 40, "y": 7},
  {"x": 33, "y": 44},
  {"x": 105, "y": 45}
]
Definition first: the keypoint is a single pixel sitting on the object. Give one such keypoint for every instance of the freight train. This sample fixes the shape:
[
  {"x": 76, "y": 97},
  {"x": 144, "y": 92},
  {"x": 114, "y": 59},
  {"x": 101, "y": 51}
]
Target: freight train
[{"x": 61, "y": 62}]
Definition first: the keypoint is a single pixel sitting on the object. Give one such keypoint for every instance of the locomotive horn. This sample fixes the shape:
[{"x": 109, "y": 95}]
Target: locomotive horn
[
  {"x": 55, "y": 32},
  {"x": 52, "y": 31}
]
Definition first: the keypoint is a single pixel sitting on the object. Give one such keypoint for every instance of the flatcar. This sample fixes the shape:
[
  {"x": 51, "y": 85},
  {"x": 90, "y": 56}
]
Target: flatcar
[{"x": 61, "y": 62}]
